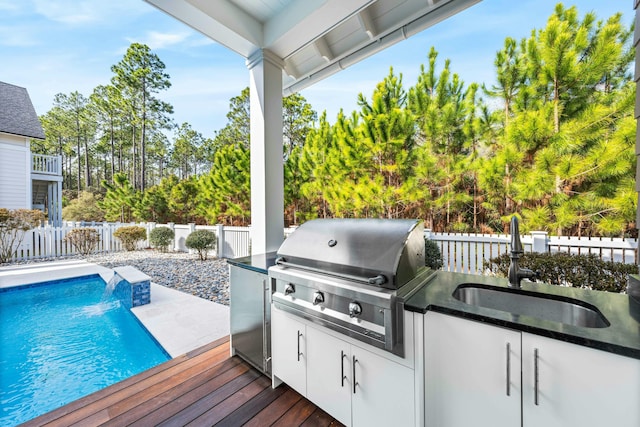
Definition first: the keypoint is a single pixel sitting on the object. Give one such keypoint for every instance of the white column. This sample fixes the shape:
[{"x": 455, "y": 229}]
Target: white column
[
  {"x": 58, "y": 219},
  {"x": 267, "y": 176}
]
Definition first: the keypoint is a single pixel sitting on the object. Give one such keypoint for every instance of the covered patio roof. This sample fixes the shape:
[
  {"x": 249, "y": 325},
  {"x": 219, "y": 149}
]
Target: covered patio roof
[
  {"x": 289, "y": 45},
  {"x": 312, "y": 39}
]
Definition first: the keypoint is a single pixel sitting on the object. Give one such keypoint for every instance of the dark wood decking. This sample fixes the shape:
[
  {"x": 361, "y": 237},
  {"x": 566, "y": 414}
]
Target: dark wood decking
[{"x": 203, "y": 388}]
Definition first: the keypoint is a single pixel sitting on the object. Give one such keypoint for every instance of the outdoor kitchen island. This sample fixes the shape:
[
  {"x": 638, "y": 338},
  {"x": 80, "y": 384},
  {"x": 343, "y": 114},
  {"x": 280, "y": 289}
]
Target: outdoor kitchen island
[
  {"x": 463, "y": 363},
  {"x": 485, "y": 366}
]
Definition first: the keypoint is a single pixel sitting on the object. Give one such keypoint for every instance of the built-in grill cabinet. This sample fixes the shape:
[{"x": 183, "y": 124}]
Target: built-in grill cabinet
[{"x": 352, "y": 275}]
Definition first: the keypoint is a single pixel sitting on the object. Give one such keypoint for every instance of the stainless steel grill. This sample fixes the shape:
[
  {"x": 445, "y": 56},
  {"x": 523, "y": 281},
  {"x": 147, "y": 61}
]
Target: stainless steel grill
[{"x": 352, "y": 275}]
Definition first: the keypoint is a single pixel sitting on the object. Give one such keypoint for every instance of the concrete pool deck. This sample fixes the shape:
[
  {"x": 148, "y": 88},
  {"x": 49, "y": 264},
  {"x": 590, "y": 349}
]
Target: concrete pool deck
[{"x": 179, "y": 322}]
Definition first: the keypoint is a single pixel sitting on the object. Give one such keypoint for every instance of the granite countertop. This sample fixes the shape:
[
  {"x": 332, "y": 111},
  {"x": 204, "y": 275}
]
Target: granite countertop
[
  {"x": 623, "y": 313},
  {"x": 259, "y": 263}
]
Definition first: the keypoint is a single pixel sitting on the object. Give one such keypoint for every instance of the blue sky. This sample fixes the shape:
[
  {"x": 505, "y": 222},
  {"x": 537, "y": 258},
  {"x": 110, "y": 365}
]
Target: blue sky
[{"x": 59, "y": 46}]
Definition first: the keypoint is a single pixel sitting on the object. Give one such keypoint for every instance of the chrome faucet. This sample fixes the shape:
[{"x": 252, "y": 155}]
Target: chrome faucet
[{"x": 516, "y": 274}]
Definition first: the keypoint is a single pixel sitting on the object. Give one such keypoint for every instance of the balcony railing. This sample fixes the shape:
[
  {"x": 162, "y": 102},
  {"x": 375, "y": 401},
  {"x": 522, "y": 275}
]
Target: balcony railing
[{"x": 46, "y": 165}]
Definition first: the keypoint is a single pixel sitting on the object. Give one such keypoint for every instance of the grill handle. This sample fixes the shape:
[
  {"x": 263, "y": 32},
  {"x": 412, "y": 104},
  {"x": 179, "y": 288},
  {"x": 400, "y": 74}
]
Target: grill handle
[{"x": 378, "y": 280}]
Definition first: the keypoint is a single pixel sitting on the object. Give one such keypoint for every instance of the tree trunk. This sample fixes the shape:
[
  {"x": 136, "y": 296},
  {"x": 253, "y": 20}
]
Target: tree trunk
[
  {"x": 134, "y": 157},
  {"x": 87, "y": 171},
  {"x": 143, "y": 139},
  {"x": 507, "y": 183},
  {"x": 113, "y": 157},
  {"x": 79, "y": 164}
]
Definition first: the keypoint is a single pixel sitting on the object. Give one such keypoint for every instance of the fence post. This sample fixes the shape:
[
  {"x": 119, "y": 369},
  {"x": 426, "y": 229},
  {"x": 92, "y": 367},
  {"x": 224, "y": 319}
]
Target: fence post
[
  {"x": 150, "y": 226},
  {"x": 192, "y": 228},
  {"x": 539, "y": 242},
  {"x": 220, "y": 234},
  {"x": 172, "y": 226},
  {"x": 106, "y": 238},
  {"x": 427, "y": 233}
]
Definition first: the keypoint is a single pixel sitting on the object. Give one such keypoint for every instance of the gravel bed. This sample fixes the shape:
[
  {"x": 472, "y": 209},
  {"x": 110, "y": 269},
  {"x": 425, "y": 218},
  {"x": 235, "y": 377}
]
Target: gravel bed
[{"x": 178, "y": 270}]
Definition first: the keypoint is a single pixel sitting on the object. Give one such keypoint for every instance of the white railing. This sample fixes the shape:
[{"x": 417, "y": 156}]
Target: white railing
[
  {"x": 462, "y": 253},
  {"x": 46, "y": 165},
  {"x": 466, "y": 253}
]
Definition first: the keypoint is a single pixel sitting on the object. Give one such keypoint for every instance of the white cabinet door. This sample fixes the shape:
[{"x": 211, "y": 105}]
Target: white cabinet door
[
  {"x": 329, "y": 374},
  {"x": 578, "y": 386},
  {"x": 472, "y": 373},
  {"x": 288, "y": 350},
  {"x": 384, "y": 391}
]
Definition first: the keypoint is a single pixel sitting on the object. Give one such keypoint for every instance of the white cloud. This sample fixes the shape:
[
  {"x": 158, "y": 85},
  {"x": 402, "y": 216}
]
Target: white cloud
[
  {"x": 9, "y": 6},
  {"x": 157, "y": 40},
  {"x": 17, "y": 36},
  {"x": 83, "y": 12}
]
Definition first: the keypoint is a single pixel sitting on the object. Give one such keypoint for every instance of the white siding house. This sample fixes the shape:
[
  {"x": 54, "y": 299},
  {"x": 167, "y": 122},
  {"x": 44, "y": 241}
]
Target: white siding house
[{"x": 27, "y": 181}]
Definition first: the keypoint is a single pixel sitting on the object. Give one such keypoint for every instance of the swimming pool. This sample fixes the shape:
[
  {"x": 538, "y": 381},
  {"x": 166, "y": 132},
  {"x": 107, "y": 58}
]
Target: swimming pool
[{"x": 62, "y": 340}]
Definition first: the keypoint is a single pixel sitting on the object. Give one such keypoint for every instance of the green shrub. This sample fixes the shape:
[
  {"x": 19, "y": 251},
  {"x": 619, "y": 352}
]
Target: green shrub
[
  {"x": 83, "y": 208},
  {"x": 432, "y": 255},
  {"x": 561, "y": 268},
  {"x": 161, "y": 238},
  {"x": 84, "y": 240},
  {"x": 202, "y": 241},
  {"x": 130, "y": 235},
  {"x": 13, "y": 225}
]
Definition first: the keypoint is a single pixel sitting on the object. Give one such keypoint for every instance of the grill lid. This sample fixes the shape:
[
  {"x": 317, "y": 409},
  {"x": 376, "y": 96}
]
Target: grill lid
[{"x": 382, "y": 252}]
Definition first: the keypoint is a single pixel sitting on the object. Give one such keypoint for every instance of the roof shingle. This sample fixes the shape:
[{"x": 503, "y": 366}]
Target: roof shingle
[{"x": 17, "y": 115}]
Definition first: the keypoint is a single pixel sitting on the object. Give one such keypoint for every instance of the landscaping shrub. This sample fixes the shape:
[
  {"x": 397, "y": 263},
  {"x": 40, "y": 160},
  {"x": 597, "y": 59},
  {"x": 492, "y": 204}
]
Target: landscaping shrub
[
  {"x": 579, "y": 271},
  {"x": 84, "y": 240},
  {"x": 161, "y": 238},
  {"x": 432, "y": 255},
  {"x": 130, "y": 236},
  {"x": 83, "y": 208},
  {"x": 202, "y": 241},
  {"x": 13, "y": 224}
]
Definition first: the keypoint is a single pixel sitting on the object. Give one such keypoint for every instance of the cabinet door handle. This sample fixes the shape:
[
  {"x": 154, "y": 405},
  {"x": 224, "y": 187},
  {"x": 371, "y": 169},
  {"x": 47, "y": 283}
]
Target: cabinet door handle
[
  {"x": 355, "y": 383},
  {"x": 299, "y": 353},
  {"x": 536, "y": 376},
  {"x": 342, "y": 356},
  {"x": 508, "y": 369}
]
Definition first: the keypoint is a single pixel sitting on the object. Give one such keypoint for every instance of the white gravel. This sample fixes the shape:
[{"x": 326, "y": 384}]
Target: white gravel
[{"x": 178, "y": 270}]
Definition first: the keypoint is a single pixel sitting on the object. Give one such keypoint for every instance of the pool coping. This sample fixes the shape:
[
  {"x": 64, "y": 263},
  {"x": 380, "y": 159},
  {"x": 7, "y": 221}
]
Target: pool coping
[{"x": 180, "y": 322}]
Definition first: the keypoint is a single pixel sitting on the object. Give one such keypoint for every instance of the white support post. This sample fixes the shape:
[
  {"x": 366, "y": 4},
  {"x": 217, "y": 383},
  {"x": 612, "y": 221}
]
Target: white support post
[
  {"x": 220, "y": 235},
  {"x": 192, "y": 228},
  {"x": 150, "y": 226},
  {"x": 267, "y": 175},
  {"x": 539, "y": 242},
  {"x": 172, "y": 226},
  {"x": 106, "y": 237}
]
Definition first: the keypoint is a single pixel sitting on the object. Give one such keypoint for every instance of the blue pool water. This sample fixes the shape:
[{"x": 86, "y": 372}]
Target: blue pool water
[{"x": 65, "y": 339}]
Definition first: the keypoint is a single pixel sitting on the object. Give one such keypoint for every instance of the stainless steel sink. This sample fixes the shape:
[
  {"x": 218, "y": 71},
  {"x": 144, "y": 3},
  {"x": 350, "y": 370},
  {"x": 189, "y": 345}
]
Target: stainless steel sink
[{"x": 524, "y": 303}]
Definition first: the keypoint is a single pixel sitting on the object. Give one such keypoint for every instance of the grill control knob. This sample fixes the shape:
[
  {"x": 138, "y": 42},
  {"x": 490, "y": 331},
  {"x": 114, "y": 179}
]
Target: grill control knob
[
  {"x": 354, "y": 309},
  {"x": 318, "y": 298},
  {"x": 289, "y": 289}
]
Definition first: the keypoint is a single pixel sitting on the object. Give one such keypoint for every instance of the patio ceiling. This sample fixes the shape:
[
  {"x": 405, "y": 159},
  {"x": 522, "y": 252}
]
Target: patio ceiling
[{"x": 313, "y": 38}]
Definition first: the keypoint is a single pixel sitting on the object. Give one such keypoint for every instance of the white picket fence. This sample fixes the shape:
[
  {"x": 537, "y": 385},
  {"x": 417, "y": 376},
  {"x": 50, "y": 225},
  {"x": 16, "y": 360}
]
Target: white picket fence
[
  {"x": 48, "y": 241},
  {"x": 466, "y": 253},
  {"x": 462, "y": 253}
]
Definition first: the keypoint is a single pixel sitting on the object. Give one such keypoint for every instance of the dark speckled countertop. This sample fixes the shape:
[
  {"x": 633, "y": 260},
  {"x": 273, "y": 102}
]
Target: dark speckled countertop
[
  {"x": 259, "y": 263},
  {"x": 623, "y": 313}
]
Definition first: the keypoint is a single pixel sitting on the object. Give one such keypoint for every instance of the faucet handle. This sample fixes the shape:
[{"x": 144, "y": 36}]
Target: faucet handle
[
  {"x": 530, "y": 275},
  {"x": 536, "y": 275}
]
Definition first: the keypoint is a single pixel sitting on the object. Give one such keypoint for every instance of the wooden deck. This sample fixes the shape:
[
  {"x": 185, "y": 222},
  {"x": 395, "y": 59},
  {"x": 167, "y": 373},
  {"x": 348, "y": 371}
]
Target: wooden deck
[{"x": 205, "y": 387}]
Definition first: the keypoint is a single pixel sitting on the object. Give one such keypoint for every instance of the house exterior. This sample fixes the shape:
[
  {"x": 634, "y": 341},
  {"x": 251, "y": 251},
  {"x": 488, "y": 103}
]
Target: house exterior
[{"x": 27, "y": 180}]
